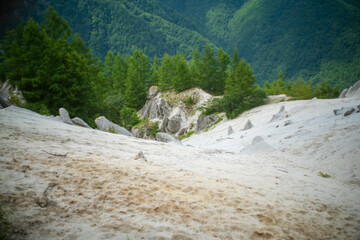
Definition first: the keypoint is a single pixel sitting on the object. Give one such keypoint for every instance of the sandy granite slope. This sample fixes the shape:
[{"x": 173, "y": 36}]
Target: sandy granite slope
[{"x": 68, "y": 182}]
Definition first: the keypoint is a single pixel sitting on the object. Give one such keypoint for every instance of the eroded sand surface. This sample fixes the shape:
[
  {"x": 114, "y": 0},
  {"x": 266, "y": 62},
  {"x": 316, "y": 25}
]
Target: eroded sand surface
[{"x": 68, "y": 182}]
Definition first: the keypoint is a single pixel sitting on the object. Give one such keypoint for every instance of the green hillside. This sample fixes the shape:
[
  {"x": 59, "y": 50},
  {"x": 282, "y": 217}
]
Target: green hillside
[{"x": 314, "y": 40}]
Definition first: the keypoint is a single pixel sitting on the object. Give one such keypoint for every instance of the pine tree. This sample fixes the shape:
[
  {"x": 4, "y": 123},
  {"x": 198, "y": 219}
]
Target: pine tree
[
  {"x": 222, "y": 62},
  {"x": 208, "y": 70},
  {"x": 136, "y": 91},
  {"x": 166, "y": 73},
  {"x": 182, "y": 80},
  {"x": 241, "y": 93},
  {"x": 155, "y": 72}
]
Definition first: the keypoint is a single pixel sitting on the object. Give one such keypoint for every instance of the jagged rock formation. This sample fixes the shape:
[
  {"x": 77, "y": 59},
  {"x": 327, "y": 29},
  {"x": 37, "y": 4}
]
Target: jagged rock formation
[
  {"x": 105, "y": 125},
  {"x": 353, "y": 91},
  {"x": 204, "y": 121},
  {"x": 175, "y": 113},
  {"x": 7, "y": 91}
]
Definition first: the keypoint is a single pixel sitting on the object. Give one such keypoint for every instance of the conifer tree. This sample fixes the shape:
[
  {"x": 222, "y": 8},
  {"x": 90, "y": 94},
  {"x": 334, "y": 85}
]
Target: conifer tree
[
  {"x": 166, "y": 73},
  {"x": 136, "y": 91},
  {"x": 241, "y": 93},
  {"x": 182, "y": 80}
]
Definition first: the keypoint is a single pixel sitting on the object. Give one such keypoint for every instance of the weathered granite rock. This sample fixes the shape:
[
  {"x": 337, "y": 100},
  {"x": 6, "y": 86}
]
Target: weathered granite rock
[
  {"x": 230, "y": 130},
  {"x": 174, "y": 124},
  {"x": 248, "y": 125},
  {"x": 353, "y": 91},
  {"x": 203, "y": 121},
  {"x": 153, "y": 91},
  {"x": 79, "y": 122},
  {"x": 167, "y": 138},
  {"x": 65, "y": 116},
  {"x": 105, "y": 125},
  {"x": 155, "y": 108}
]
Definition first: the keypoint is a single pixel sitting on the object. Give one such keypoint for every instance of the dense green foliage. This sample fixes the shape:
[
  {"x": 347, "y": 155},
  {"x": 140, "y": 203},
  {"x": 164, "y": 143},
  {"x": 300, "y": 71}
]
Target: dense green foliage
[
  {"x": 54, "y": 68},
  {"x": 313, "y": 40},
  {"x": 300, "y": 89}
]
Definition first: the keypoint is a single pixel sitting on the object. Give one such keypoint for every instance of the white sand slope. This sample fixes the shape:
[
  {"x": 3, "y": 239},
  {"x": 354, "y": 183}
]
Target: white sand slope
[{"x": 68, "y": 182}]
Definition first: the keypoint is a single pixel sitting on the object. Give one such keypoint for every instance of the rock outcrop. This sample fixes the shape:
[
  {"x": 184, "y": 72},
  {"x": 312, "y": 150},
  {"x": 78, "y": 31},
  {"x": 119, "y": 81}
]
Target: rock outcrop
[
  {"x": 7, "y": 91},
  {"x": 353, "y": 91},
  {"x": 65, "y": 116},
  {"x": 176, "y": 113},
  {"x": 105, "y": 125}
]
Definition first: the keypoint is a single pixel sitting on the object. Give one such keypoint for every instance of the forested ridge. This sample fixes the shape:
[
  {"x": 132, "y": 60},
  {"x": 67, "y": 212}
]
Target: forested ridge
[
  {"x": 314, "y": 40},
  {"x": 54, "y": 68}
]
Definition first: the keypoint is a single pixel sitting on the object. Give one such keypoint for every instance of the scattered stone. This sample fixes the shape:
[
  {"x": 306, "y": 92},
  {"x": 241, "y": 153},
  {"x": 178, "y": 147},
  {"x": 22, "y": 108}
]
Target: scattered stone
[
  {"x": 65, "y": 116},
  {"x": 167, "y": 138},
  {"x": 79, "y": 122},
  {"x": 230, "y": 130},
  {"x": 248, "y": 125},
  {"x": 140, "y": 156},
  {"x": 350, "y": 111},
  {"x": 105, "y": 125},
  {"x": 204, "y": 121},
  {"x": 346, "y": 111},
  {"x": 288, "y": 122}
]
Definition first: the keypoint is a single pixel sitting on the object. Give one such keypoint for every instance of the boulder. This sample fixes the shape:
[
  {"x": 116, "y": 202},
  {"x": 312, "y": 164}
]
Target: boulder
[
  {"x": 167, "y": 138},
  {"x": 105, "y": 125},
  {"x": 248, "y": 125},
  {"x": 79, "y": 122},
  {"x": 230, "y": 130},
  {"x": 203, "y": 121},
  {"x": 174, "y": 124},
  {"x": 65, "y": 116}
]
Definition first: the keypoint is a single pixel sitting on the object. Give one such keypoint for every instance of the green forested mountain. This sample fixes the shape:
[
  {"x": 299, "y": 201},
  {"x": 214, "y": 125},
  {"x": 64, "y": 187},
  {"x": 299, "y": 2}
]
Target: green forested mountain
[{"x": 314, "y": 40}]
